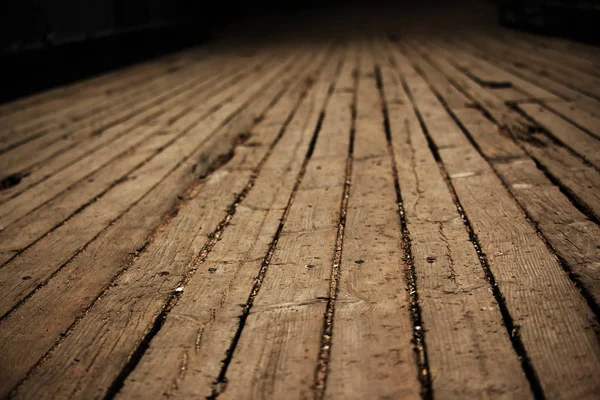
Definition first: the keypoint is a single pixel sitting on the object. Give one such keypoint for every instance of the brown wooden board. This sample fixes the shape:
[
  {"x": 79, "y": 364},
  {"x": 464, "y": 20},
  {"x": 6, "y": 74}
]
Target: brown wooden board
[{"x": 521, "y": 265}]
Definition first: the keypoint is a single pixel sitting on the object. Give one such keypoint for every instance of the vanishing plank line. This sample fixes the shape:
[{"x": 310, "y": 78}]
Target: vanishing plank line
[
  {"x": 289, "y": 321},
  {"x": 97, "y": 109},
  {"x": 117, "y": 81},
  {"x": 220, "y": 287},
  {"x": 454, "y": 296},
  {"x": 568, "y": 231},
  {"x": 578, "y": 81},
  {"x": 155, "y": 112},
  {"x": 489, "y": 75},
  {"x": 486, "y": 50},
  {"x": 59, "y": 199},
  {"x": 41, "y": 261},
  {"x": 521, "y": 269},
  {"x": 181, "y": 229},
  {"x": 60, "y": 137},
  {"x": 92, "y": 109},
  {"x": 565, "y": 56},
  {"x": 578, "y": 141},
  {"x": 372, "y": 354},
  {"x": 322, "y": 368},
  {"x": 577, "y": 179}
]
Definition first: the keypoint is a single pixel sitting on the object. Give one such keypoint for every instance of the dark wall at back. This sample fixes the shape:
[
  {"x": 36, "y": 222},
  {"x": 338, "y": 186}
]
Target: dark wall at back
[{"x": 45, "y": 43}]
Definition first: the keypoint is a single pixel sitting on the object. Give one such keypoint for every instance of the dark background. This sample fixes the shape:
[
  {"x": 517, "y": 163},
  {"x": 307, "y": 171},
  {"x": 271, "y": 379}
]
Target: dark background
[{"x": 45, "y": 43}]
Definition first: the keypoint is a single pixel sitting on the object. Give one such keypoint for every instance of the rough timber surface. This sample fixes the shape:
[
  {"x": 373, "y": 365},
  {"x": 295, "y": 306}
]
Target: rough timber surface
[{"x": 395, "y": 210}]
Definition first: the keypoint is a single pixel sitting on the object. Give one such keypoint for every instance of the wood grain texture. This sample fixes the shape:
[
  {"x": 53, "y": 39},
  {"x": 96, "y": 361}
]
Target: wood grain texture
[
  {"x": 459, "y": 311},
  {"x": 67, "y": 192},
  {"x": 575, "y": 176},
  {"x": 523, "y": 267},
  {"x": 572, "y": 137},
  {"x": 288, "y": 309},
  {"x": 582, "y": 82},
  {"x": 570, "y": 233},
  {"x": 379, "y": 206},
  {"x": 71, "y": 237},
  {"x": 178, "y": 97},
  {"x": 152, "y": 277},
  {"x": 489, "y": 50},
  {"x": 371, "y": 351}
]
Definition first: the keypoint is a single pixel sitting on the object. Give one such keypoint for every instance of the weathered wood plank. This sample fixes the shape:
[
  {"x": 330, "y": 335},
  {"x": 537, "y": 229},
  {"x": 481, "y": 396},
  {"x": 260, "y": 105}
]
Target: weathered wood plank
[
  {"x": 488, "y": 74},
  {"x": 221, "y": 285},
  {"x": 572, "y": 113},
  {"x": 572, "y": 137},
  {"x": 559, "y": 334},
  {"x": 105, "y": 85},
  {"x": 287, "y": 312},
  {"x": 582, "y": 82},
  {"x": 37, "y": 211},
  {"x": 84, "y": 112},
  {"x": 150, "y": 289},
  {"x": 580, "y": 180},
  {"x": 468, "y": 348},
  {"x": 49, "y": 140},
  {"x": 45, "y": 257},
  {"x": 489, "y": 50},
  {"x": 372, "y": 354},
  {"x": 561, "y": 50},
  {"x": 185, "y": 92},
  {"x": 570, "y": 233}
]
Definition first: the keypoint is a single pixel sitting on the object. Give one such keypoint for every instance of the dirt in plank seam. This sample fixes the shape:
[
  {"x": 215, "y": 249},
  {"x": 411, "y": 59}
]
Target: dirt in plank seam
[
  {"x": 539, "y": 128},
  {"x": 95, "y": 198},
  {"x": 123, "y": 133},
  {"x": 563, "y": 263},
  {"x": 569, "y": 120},
  {"x": 81, "y": 208},
  {"x": 183, "y": 132},
  {"x": 572, "y": 197},
  {"x": 128, "y": 130},
  {"x": 583, "y": 290},
  {"x": 220, "y": 383},
  {"x": 40, "y": 285},
  {"x": 514, "y": 103},
  {"x": 189, "y": 193},
  {"x": 123, "y": 179},
  {"x": 186, "y": 196},
  {"x": 214, "y": 237},
  {"x": 575, "y": 200},
  {"x": 322, "y": 368},
  {"x": 410, "y": 276},
  {"x": 511, "y": 328}
]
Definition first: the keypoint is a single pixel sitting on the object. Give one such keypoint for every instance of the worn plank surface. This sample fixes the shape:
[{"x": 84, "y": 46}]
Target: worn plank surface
[{"x": 409, "y": 208}]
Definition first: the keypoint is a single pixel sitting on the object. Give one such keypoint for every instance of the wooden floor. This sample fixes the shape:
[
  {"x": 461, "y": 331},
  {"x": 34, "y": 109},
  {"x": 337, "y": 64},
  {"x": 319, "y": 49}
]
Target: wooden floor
[{"x": 404, "y": 211}]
